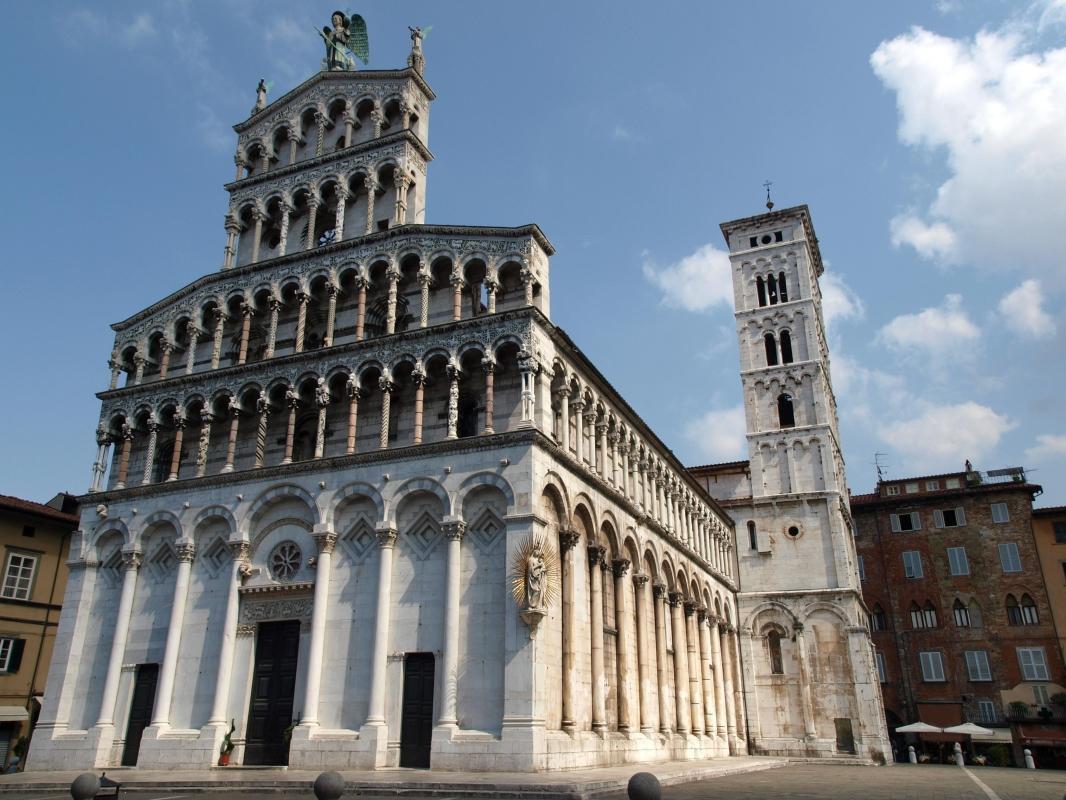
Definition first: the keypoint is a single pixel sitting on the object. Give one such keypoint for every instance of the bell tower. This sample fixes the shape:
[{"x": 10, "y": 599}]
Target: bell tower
[{"x": 813, "y": 686}]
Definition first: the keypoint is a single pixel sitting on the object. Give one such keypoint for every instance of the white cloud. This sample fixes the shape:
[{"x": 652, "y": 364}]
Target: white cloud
[
  {"x": 620, "y": 133},
  {"x": 839, "y": 301},
  {"x": 1023, "y": 312},
  {"x": 697, "y": 282},
  {"x": 141, "y": 29},
  {"x": 939, "y": 331},
  {"x": 944, "y": 436},
  {"x": 291, "y": 49},
  {"x": 995, "y": 109},
  {"x": 718, "y": 435},
  {"x": 1048, "y": 447}
]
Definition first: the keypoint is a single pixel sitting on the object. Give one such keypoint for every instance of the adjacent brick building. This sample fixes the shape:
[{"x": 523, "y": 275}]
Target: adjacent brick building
[{"x": 960, "y": 615}]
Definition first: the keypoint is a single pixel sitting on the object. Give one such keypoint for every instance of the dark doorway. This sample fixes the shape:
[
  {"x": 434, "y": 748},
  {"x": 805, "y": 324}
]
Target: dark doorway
[
  {"x": 416, "y": 726},
  {"x": 845, "y": 738},
  {"x": 277, "y": 648},
  {"x": 140, "y": 711}
]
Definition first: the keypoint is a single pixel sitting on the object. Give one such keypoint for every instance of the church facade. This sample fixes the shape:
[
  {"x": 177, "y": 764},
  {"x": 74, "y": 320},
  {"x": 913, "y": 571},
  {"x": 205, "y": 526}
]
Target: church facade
[{"x": 359, "y": 503}]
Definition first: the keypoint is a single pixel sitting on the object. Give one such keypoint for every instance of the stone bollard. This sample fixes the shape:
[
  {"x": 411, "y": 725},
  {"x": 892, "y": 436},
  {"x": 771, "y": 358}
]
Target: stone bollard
[
  {"x": 959, "y": 760},
  {"x": 85, "y": 786},
  {"x": 644, "y": 786},
  {"x": 329, "y": 786},
  {"x": 1029, "y": 763},
  {"x": 911, "y": 755}
]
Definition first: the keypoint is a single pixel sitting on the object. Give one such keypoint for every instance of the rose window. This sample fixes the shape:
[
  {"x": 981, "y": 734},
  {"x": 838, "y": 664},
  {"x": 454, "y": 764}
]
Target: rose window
[{"x": 284, "y": 561}]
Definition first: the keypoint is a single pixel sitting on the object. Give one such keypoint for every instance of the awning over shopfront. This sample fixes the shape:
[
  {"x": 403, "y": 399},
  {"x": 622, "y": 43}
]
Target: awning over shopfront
[
  {"x": 1041, "y": 735},
  {"x": 13, "y": 714}
]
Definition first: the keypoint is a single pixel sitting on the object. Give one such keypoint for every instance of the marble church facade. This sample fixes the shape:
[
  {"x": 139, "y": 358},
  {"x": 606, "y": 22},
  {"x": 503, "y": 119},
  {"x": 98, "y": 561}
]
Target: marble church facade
[{"x": 317, "y": 467}]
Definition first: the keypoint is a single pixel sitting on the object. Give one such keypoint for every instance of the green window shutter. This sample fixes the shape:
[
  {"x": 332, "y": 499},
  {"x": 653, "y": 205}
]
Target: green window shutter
[{"x": 13, "y": 663}]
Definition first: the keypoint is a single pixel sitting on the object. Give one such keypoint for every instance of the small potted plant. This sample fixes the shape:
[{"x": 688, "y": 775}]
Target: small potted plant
[{"x": 227, "y": 745}]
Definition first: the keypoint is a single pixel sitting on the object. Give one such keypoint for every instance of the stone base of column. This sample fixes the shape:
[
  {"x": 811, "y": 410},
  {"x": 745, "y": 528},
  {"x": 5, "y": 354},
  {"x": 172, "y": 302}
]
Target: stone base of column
[
  {"x": 162, "y": 747},
  {"x": 376, "y": 735}
]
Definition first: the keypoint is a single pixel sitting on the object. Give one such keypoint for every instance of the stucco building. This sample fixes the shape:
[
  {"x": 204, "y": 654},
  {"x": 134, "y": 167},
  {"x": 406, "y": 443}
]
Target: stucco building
[
  {"x": 35, "y": 538},
  {"x": 1049, "y": 533},
  {"x": 960, "y": 615}
]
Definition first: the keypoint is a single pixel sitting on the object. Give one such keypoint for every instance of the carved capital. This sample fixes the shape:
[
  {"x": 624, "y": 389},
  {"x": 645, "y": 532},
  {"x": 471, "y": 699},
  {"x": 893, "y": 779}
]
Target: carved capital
[
  {"x": 424, "y": 279},
  {"x": 454, "y": 530},
  {"x": 325, "y": 541},
  {"x": 132, "y": 559},
  {"x": 240, "y": 551},
  {"x": 102, "y": 436},
  {"x": 371, "y": 185},
  {"x": 620, "y": 566},
  {"x": 418, "y": 378},
  {"x": 690, "y": 608},
  {"x": 597, "y": 556},
  {"x": 568, "y": 540},
  {"x": 186, "y": 551},
  {"x": 488, "y": 365},
  {"x": 674, "y": 599},
  {"x": 386, "y": 385},
  {"x": 658, "y": 590},
  {"x": 386, "y": 537},
  {"x": 701, "y": 613},
  {"x": 640, "y": 579}
]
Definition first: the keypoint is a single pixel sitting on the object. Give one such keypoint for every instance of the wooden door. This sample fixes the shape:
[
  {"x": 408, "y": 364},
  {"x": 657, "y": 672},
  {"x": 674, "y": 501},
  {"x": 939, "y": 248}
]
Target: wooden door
[
  {"x": 140, "y": 711},
  {"x": 277, "y": 648},
  {"x": 416, "y": 724},
  {"x": 845, "y": 737}
]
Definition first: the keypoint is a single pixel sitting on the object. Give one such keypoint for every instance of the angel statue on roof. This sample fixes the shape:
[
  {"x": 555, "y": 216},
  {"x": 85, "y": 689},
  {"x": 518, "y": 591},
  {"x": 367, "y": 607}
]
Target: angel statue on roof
[{"x": 345, "y": 41}]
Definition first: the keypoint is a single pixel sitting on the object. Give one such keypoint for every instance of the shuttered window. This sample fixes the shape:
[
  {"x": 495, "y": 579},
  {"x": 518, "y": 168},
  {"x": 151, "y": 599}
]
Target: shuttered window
[
  {"x": 901, "y": 523},
  {"x": 977, "y": 665},
  {"x": 957, "y": 561},
  {"x": 912, "y": 564},
  {"x": 1033, "y": 663},
  {"x": 1009, "y": 558},
  {"x": 949, "y": 517},
  {"x": 932, "y": 666}
]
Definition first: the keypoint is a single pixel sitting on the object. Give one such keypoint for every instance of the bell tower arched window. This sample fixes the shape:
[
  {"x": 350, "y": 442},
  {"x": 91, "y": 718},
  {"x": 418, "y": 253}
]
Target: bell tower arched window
[
  {"x": 753, "y": 536},
  {"x": 786, "y": 415},
  {"x": 1014, "y": 612},
  {"x": 760, "y": 288},
  {"x": 782, "y": 287},
  {"x": 771, "y": 286},
  {"x": 961, "y": 613},
  {"x": 877, "y": 618},
  {"x": 773, "y": 645},
  {"x": 771, "y": 350},
  {"x": 786, "y": 347}
]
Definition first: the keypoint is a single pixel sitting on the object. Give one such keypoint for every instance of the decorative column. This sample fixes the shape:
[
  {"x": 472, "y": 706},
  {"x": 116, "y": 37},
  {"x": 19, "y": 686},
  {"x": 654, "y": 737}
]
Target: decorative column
[
  {"x": 116, "y": 369},
  {"x": 257, "y": 238},
  {"x": 246, "y": 329},
  {"x": 644, "y": 688},
  {"x": 579, "y": 418},
  {"x": 658, "y": 591},
  {"x": 325, "y": 541},
  {"x": 527, "y": 367},
  {"x": 124, "y": 456},
  {"x": 599, "y": 702},
  {"x": 601, "y": 430},
  {"x": 165, "y": 691},
  {"x": 238, "y": 159},
  {"x": 233, "y": 228},
  {"x": 349, "y": 123},
  {"x": 272, "y": 332},
  {"x": 419, "y": 380},
  {"x": 623, "y": 467},
  {"x": 568, "y": 541},
  {"x": 387, "y": 388},
  {"x": 371, "y": 186},
  {"x": 806, "y": 700},
  {"x": 491, "y": 287},
  {"x": 206, "y": 418},
  {"x": 179, "y": 439},
  {"x": 695, "y": 687},
  {"x": 620, "y": 567},
  {"x": 216, "y": 347},
  {"x": 401, "y": 182},
  {"x": 360, "y": 309},
  {"x": 424, "y": 280},
  {"x": 239, "y": 569},
  {"x": 138, "y": 369},
  {"x": 262, "y": 410},
  {"x": 527, "y": 285},
  {"x": 331, "y": 314},
  {"x": 103, "y": 442},
  {"x": 322, "y": 401},
  {"x": 292, "y": 400},
  {"x": 714, "y": 631},
  {"x": 164, "y": 358},
  {"x": 457, "y": 296},
  {"x": 680, "y": 664},
  {"x": 490, "y": 394},
  {"x": 338, "y": 220},
  {"x": 564, "y": 414},
  {"x": 292, "y": 133},
  {"x": 190, "y": 350},
  {"x": 234, "y": 409},
  {"x": 453, "y": 401},
  {"x": 149, "y": 450},
  {"x": 392, "y": 275},
  {"x": 727, "y": 685},
  {"x": 378, "y": 119},
  {"x": 353, "y": 391},
  {"x": 302, "y": 299},
  {"x": 286, "y": 215},
  {"x": 131, "y": 562},
  {"x": 376, "y": 710},
  {"x": 313, "y": 202},
  {"x": 709, "y": 713},
  {"x": 453, "y": 530},
  {"x": 321, "y": 121}
]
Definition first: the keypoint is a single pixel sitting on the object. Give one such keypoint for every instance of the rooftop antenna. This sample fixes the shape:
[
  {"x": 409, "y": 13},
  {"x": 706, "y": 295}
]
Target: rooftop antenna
[
  {"x": 881, "y": 468},
  {"x": 769, "y": 202}
]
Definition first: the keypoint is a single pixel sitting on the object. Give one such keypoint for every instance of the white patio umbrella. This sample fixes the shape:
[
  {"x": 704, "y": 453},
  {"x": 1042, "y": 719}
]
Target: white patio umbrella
[
  {"x": 969, "y": 729},
  {"x": 919, "y": 727}
]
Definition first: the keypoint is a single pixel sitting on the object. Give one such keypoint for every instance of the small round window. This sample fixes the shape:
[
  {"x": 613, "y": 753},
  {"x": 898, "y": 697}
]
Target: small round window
[
  {"x": 766, "y": 238},
  {"x": 284, "y": 561},
  {"x": 793, "y": 531}
]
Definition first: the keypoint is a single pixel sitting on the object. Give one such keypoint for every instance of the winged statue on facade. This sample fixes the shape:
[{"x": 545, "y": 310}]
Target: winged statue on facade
[{"x": 345, "y": 41}]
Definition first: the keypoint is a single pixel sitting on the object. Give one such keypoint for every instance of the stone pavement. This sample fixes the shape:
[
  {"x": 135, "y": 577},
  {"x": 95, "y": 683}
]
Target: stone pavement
[{"x": 254, "y": 782}]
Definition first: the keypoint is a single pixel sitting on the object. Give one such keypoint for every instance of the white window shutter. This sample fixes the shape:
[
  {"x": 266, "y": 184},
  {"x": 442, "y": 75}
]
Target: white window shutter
[
  {"x": 938, "y": 518},
  {"x": 916, "y": 521},
  {"x": 895, "y": 522},
  {"x": 960, "y": 515}
]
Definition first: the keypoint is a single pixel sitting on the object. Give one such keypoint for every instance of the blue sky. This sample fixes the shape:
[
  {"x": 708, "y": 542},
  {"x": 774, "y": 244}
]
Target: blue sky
[{"x": 927, "y": 139}]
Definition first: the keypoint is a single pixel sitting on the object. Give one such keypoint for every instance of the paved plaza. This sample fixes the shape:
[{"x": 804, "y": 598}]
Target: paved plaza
[{"x": 794, "y": 782}]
